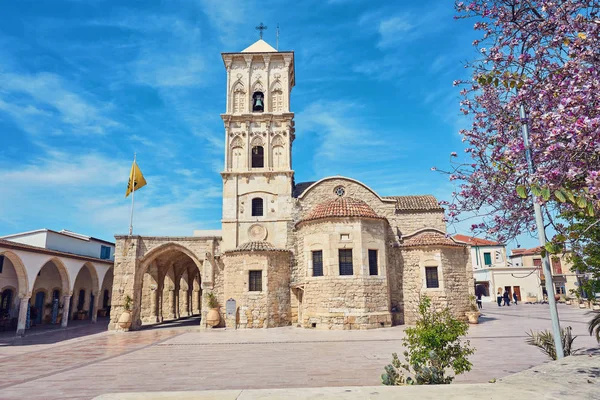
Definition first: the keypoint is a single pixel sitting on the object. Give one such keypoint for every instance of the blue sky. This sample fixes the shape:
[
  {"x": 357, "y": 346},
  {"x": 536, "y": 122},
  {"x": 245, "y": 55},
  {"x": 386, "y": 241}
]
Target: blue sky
[{"x": 86, "y": 83}]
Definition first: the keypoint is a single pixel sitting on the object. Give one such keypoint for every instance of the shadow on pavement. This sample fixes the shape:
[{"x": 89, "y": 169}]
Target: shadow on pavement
[{"x": 50, "y": 335}]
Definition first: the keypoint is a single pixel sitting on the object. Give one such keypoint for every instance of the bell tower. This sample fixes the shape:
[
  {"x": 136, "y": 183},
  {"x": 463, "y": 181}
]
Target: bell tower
[{"x": 259, "y": 131}]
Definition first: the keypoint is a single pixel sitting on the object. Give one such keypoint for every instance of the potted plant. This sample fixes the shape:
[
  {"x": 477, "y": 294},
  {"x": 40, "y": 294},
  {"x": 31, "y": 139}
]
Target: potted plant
[
  {"x": 213, "y": 317},
  {"x": 473, "y": 314},
  {"x": 568, "y": 300},
  {"x": 125, "y": 318}
]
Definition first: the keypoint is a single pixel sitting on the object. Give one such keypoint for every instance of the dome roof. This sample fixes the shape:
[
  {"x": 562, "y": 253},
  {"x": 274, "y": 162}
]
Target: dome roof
[
  {"x": 341, "y": 207},
  {"x": 257, "y": 245}
]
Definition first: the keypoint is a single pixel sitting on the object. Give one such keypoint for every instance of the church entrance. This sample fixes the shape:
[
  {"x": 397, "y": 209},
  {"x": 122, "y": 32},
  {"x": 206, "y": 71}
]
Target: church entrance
[{"x": 170, "y": 287}]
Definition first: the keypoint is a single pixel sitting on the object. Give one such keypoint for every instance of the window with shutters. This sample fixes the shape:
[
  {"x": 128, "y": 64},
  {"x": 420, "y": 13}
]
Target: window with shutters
[
  {"x": 317, "y": 262},
  {"x": 431, "y": 277},
  {"x": 255, "y": 281},
  {"x": 345, "y": 256},
  {"x": 373, "y": 270},
  {"x": 257, "y": 207},
  {"x": 487, "y": 258}
]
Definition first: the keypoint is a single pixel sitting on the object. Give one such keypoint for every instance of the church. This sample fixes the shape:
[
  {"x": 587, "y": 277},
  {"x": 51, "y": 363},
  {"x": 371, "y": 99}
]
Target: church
[{"x": 330, "y": 254}]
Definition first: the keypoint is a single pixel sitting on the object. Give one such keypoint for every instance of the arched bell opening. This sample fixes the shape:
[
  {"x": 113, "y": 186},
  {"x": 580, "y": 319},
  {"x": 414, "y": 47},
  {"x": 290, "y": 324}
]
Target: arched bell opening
[{"x": 258, "y": 102}]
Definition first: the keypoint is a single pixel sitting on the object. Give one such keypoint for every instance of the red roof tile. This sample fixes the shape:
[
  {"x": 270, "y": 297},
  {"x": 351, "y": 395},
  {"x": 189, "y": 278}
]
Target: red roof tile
[
  {"x": 429, "y": 237},
  {"x": 425, "y": 202},
  {"x": 473, "y": 241},
  {"x": 341, "y": 207}
]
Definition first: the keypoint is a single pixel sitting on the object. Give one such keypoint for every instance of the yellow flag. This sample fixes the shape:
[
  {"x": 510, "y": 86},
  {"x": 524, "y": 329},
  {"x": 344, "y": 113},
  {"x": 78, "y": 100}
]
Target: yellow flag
[{"x": 136, "y": 179}]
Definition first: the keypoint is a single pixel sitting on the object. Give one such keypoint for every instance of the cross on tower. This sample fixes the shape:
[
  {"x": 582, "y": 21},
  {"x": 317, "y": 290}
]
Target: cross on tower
[{"x": 261, "y": 28}]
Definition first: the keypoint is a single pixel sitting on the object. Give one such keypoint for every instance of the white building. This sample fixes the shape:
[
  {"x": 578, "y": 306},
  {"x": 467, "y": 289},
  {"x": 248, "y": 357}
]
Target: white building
[
  {"x": 493, "y": 271},
  {"x": 50, "y": 274}
]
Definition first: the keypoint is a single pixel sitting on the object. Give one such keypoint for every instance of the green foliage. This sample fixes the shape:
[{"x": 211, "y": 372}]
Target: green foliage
[
  {"x": 212, "y": 301},
  {"x": 545, "y": 342},
  {"x": 584, "y": 231},
  {"x": 594, "y": 325},
  {"x": 127, "y": 305},
  {"x": 433, "y": 347}
]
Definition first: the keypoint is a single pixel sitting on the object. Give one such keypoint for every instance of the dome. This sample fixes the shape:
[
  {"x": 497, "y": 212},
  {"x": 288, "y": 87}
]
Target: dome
[
  {"x": 341, "y": 207},
  {"x": 257, "y": 245}
]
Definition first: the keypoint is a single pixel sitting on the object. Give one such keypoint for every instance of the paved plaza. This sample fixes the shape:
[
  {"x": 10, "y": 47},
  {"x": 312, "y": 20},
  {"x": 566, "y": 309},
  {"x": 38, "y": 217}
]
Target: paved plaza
[{"x": 87, "y": 361}]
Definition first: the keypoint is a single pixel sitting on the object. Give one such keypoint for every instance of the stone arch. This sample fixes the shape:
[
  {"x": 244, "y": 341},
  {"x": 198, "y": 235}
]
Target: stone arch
[
  {"x": 94, "y": 274},
  {"x": 314, "y": 185},
  {"x": 258, "y": 86},
  {"x": 22, "y": 280},
  {"x": 256, "y": 141},
  {"x": 62, "y": 271},
  {"x": 278, "y": 141},
  {"x": 237, "y": 142},
  {"x": 162, "y": 249}
]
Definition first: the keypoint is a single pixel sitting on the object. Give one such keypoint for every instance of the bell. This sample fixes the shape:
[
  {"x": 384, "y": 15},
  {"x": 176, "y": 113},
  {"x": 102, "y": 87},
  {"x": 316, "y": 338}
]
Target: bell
[{"x": 259, "y": 102}]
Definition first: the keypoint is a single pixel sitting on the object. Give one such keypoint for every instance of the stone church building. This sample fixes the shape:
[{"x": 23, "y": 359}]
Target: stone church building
[{"x": 331, "y": 254}]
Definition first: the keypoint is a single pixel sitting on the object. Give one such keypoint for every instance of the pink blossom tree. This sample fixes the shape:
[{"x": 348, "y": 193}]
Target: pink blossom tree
[{"x": 544, "y": 54}]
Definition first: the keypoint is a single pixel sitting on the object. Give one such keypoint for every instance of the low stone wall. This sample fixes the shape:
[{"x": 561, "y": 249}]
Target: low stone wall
[{"x": 346, "y": 303}]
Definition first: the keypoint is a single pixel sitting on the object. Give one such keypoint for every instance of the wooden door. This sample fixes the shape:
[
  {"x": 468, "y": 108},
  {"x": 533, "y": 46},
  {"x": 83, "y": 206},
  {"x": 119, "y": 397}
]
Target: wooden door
[{"x": 517, "y": 290}]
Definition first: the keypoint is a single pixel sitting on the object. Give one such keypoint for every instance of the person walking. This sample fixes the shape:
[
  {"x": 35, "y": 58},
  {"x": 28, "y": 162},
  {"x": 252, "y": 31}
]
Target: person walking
[
  {"x": 499, "y": 297},
  {"x": 516, "y": 298},
  {"x": 479, "y": 305},
  {"x": 506, "y": 298}
]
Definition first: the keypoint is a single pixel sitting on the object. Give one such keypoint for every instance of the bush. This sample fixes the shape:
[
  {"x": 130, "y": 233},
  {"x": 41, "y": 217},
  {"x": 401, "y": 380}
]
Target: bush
[
  {"x": 433, "y": 347},
  {"x": 544, "y": 340}
]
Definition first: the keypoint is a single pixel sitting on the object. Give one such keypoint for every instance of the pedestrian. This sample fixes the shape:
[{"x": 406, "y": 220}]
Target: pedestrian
[
  {"x": 479, "y": 305},
  {"x": 499, "y": 297},
  {"x": 515, "y": 297},
  {"x": 506, "y": 298}
]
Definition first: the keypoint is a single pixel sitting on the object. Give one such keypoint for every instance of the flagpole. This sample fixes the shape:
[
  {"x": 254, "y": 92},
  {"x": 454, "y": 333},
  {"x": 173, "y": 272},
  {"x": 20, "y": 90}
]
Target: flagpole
[{"x": 132, "y": 195}]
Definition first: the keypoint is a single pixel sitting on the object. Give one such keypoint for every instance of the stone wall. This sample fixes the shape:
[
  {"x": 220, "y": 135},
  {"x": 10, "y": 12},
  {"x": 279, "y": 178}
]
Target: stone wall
[
  {"x": 454, "y": 276},
  {"x": 269, "y": 307}
]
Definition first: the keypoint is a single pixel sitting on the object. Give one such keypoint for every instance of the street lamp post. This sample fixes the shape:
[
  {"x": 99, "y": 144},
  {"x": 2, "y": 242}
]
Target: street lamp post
[{"x": 539, "y": 222}]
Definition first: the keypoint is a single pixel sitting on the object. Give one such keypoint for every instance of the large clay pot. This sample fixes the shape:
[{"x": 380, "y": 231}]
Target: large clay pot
[
  {"x": 213, "y": 317},
  {"x": 125, "y": 320},
  {"x": 473, "y": 317}
]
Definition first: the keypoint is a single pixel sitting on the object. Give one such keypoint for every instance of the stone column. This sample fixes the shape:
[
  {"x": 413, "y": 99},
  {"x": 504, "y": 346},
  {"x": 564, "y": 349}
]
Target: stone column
[
  {"x": 156, "y": 306},
  {"x": 95, "y": 308},
  {"x": 186, "y": 303},
  {"x": 22, "y": 315},
  {"x": 174, "y": 305},
  {"x": 65, "y": 317}
]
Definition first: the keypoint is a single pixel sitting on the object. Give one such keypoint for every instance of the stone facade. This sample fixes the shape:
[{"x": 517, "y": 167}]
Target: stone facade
[{"x": 331, "y": 254}]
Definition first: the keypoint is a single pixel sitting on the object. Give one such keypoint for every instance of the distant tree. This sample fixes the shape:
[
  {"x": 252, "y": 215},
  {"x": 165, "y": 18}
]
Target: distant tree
[
  {"x": 433, "y": 347},
  {"x": 584, "y": 234},
  {"x": 544, "y": 54}
]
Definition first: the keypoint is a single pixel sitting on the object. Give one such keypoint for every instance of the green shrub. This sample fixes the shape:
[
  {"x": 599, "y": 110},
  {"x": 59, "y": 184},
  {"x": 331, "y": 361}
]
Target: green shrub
[
  {"x": 433, "y": 346},
  {"x": 544, "y": 340}
]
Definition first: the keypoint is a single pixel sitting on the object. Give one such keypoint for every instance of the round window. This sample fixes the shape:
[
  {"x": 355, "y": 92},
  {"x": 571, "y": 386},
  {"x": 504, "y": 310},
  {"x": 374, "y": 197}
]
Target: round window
[{"x": 340, "y": 191}]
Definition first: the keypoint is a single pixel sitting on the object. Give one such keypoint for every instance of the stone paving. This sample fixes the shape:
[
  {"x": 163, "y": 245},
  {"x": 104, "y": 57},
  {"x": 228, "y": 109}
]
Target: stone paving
[{"x": 181, "y": 357}]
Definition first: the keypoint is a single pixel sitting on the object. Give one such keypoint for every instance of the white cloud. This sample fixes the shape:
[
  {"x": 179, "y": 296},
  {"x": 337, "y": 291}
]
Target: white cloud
[
  {"x": 46, "y": 103},
  {"x": 86, "y": 193}
]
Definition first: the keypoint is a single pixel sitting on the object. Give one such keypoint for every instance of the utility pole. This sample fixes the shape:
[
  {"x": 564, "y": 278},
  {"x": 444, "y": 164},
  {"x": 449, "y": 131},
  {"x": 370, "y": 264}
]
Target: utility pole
[{"x": 539, "y": 222}]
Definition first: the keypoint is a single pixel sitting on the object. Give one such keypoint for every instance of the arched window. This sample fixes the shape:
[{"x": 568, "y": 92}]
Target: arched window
[
  {"x": 55, "y": 294},
  {"x": 258, "y": 157},
  {"x": 258, "y": 102},
  {"x": 257, "y": 207}
]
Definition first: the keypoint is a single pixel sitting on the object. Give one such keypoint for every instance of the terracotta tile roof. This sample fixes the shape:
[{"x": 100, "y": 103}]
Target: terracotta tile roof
[
  {"x": 429, "y": 237},
  {"x": 26, "y": 247},
  {"x": 416, "y": 203},
  {"x": 341, "y": 207},
  {"x": 258, "y": 245},
  {"x": 525, "y": 252},
  {"x": 473, "y": 241}
]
